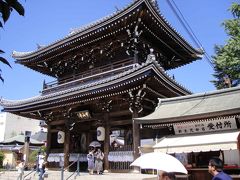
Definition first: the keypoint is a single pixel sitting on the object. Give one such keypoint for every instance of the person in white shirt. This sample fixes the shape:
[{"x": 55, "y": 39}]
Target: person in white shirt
[
  {"x": 20, "y": 169},
  {"x": 41, "y": 166}
]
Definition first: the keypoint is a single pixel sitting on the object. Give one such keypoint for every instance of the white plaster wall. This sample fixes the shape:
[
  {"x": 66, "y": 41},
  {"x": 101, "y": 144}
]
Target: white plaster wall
[
  {"x": 9, "y": 159},
  {"x": 15, "y": 125},
  {"x": 2, "y": 125}
]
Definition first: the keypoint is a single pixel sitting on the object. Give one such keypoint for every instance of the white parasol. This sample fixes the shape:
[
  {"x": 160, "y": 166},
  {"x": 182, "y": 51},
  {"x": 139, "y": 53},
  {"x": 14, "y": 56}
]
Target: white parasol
[
  {"x": 95, "y": 144},
  {"x": 159, "y": 161}
]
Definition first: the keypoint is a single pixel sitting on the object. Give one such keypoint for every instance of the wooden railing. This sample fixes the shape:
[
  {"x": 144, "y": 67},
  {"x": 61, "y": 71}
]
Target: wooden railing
[
  {"x": 89, "y": 76},
  {"x": 119, "y": 166},
  {"x": 123, "y": 164}
]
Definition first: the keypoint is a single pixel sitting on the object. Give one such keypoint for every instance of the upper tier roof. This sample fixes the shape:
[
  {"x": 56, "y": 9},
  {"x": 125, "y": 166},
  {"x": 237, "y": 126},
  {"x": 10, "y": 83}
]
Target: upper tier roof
[{"x": 79, "y": 38}]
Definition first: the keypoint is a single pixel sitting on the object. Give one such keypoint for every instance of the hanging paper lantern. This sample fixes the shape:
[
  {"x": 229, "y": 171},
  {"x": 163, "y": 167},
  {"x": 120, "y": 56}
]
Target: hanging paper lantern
[
  {"x": 60, "y": 137},
  {"x": 100, "y": 133}
]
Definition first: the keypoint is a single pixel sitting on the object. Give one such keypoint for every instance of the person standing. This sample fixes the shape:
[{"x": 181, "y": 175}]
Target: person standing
[
  {"x": 20, "y": 169},
  {"x": 215, "y": 168},
  {"x": 99, "y": 161},
  {"x": 41, "y": 166},
  {"x": 90, "y": 159}
]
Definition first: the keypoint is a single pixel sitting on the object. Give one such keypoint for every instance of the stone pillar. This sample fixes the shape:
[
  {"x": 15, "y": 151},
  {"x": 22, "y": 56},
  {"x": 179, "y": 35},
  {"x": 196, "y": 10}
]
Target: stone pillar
[{"x": 26, "y": 146}]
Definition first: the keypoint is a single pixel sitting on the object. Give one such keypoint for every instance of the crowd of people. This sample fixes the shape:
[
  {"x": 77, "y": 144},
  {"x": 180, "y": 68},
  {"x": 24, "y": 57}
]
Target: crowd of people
[{"x": 95, "y": 161}]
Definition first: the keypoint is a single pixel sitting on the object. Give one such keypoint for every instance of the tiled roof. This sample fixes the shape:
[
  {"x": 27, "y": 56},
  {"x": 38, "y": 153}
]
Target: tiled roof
[
  {"x": 20, "y": 139},
  {"x": 109, "y": 81},
  {"x": 209, "y": 103},
  {"x": 40, "y": 136},
  {"x": 78, "y": 32}
]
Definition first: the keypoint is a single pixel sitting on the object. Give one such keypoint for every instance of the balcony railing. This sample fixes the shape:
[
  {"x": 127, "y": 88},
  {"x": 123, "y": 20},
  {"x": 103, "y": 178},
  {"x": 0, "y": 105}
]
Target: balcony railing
[{"x": 89, "y": 76}]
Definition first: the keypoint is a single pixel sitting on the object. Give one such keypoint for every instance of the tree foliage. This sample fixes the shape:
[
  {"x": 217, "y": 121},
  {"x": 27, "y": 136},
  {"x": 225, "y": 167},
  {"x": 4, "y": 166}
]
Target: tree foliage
[
  {"x": 34, "y": 154},
  {"x": 6, "y": 7},
  {"x": 33, "y": 157},
  {"x": 227, "y": 59},
  {"x": 1, "y": 159}
]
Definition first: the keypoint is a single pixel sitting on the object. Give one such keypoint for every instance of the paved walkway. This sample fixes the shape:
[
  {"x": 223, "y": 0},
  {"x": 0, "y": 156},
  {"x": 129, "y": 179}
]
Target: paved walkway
[{"x": 56, "y": 175}]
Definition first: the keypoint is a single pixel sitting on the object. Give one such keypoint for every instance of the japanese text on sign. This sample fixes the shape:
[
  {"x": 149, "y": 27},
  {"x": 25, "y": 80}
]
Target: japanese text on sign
[{"x": 205, "y": 126}]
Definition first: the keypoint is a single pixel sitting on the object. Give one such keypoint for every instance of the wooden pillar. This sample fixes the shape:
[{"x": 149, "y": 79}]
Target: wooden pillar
[
  {"x": 106, "y": 141},
  {"x": 136, "y": 135},
  {"x": 68, "y": 114},
  {"x": 106, "y": 106},
  {"x": 66, "y": 147},
  {"x": 49, "y": 137},
  {"x": 135, "y": 106}
]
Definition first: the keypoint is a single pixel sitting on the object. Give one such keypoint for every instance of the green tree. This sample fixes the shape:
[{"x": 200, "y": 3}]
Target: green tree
[
  {"x": 33, "y": 157},
  {"x": 6, "y": 7},
  {"x": 1, "y": 159},
  {"x": 34, "y": 154},
  {"x": 227, "y": 59}
]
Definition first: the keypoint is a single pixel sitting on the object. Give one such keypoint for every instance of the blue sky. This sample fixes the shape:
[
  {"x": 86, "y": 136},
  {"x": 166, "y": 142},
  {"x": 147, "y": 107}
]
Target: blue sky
[{"x": 46, "y": 21}]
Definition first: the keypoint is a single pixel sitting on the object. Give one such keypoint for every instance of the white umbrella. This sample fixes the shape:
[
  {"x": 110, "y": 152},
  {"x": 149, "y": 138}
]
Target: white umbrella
[
  {"x": 159, "y": 161},
  {"x": 95, "y": 144}
]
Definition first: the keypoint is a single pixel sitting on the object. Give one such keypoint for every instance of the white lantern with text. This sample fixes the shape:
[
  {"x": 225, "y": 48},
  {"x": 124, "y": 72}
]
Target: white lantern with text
[
  {"x": 100, "y": 133},
  {"x": 60, "y": 137}
]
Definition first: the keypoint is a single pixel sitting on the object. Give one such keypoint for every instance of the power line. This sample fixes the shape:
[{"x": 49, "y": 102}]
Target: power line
[
  {"x": 182, "y": 20},
  {"x": 189, "y": 30},
  {"x": 209, "y": 59}
]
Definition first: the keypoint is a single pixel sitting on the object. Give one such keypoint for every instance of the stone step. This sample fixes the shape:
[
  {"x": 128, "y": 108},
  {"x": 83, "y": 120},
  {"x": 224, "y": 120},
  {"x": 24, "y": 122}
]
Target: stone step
[
  {"x": 56, "y": 175},
  {"x": 8, "y": 175}
]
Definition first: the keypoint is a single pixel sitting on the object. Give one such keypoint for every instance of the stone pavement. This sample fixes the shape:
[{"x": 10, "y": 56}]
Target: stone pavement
[{"x": 56, "y": 175}]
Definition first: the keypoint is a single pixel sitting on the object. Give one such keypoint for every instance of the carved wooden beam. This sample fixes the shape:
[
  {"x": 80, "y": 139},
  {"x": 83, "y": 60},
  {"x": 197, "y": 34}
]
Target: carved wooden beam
[{"x": 135, "y": 101}]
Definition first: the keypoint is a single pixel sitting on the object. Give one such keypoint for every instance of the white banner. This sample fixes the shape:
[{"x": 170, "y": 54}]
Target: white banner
[{"x": 205, "y": 126}]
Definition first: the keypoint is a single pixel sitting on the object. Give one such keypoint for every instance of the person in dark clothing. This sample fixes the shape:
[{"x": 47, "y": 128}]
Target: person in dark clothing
[{"x": 215, "y": 168}]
